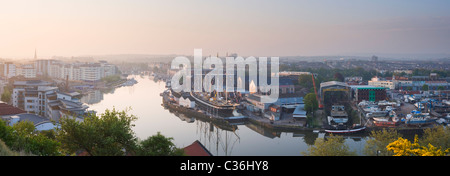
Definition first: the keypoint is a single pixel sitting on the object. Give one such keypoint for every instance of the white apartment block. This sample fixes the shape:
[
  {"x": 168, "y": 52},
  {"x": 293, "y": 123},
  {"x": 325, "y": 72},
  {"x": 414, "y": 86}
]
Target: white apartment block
[
  {"x": 28, "y": 71},
  {"x": 91, "y": 72},
  {"x": 381, "y": 83},
  {"x": 80, "y": 71},
  {"x": 9, "y": 69}
]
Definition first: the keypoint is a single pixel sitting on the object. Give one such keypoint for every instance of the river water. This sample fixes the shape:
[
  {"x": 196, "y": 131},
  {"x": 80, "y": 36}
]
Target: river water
[{"x": 242, "y": 140}]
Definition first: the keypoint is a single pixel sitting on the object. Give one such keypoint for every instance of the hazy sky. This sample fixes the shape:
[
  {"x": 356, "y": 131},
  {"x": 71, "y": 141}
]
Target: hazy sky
[{"x": 250, "y": 27}]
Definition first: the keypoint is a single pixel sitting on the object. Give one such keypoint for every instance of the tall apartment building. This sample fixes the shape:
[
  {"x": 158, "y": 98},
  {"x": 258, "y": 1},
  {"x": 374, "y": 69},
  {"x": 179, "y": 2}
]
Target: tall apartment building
[
  {"x": 27, "y": 71},
  {"x": 42, "y": 67},
  {"x": 30, "y": 95},
  {"x": 9, "y": 69},
  {"x": 91, "y": 72}
]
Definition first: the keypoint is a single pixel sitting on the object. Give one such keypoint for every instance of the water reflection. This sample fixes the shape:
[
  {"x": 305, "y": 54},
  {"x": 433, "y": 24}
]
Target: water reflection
[
  {"x": 92, "y": 97},
  {"x": 218, "y": 138}
]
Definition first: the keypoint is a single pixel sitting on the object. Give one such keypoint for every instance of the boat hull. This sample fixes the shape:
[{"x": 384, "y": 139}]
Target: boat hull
[
  {"x": 420, "y": 122},
  {"x": 224, "y": 111},
  {"x": 345, "y": 131},
  {"x": 385, "y": 123}
]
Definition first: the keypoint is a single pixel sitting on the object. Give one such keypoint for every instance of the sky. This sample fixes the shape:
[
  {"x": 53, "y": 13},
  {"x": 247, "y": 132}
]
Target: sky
[{"x": 248, "y": 28}]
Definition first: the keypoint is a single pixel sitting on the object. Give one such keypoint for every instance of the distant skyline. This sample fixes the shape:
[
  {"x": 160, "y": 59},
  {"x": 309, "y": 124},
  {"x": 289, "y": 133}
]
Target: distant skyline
[{"x": 249, "y": 28}]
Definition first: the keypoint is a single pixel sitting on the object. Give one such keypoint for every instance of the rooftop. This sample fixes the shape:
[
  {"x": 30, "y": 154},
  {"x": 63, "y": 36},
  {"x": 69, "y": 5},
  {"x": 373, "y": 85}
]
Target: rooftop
[
  {"x": 32, "y": 118},
  {"x": 6, "y": 109},
  {"x": 196, "y": 149},
  {"x": 333, "y": 83},
  {"x": 32, "y": 83}
]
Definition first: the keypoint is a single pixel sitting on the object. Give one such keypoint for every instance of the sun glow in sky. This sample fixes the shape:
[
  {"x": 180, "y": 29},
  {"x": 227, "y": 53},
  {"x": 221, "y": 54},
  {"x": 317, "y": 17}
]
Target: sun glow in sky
[{"x": 252, "y": 27}]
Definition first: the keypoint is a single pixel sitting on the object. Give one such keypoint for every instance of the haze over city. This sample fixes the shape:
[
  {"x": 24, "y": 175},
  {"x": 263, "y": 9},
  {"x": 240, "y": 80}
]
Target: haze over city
[{"x": 258, "y": 28}]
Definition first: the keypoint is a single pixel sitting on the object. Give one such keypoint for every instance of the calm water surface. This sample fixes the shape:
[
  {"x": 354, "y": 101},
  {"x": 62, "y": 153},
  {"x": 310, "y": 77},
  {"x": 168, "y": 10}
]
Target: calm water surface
[{"x": 145, "y": 101}]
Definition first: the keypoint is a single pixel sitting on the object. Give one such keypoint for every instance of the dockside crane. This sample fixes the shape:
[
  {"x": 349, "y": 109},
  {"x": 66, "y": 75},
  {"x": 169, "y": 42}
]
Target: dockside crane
[{"x": 315, "y": 91}]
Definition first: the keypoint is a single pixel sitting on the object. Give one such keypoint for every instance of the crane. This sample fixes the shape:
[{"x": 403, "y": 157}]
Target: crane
[{"x": 315, "y": 91}]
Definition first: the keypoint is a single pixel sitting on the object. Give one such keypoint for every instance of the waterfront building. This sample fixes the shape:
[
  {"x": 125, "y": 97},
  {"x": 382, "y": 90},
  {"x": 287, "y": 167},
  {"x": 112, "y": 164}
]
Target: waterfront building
[
  {"x": 32, "y": 99},
  {"x": 38, "y": 97},
  {"x": 91, "y": 72},
  {"x": 58, "y": 108}
]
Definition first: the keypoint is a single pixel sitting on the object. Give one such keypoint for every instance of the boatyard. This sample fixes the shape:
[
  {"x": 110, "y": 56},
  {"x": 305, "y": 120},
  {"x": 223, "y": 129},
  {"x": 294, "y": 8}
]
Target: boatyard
[{"x": 343, "y": 109}]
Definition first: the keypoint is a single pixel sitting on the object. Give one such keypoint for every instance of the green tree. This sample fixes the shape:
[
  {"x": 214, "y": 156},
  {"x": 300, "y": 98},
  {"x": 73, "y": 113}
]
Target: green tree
[
  {"x": 437, "y": 136},
  {"x": 6, "y": 95},
  {"x": 22, "y": 136},
  {"x": 107, "y": 135},
  {"x": 311, "y": 103},
  {"x": 6, "y": 133},
  {"x": 305, "y": 81},
  {"x": 29, "y": 140},
  {"x": 425, "y": 87},
  {"x": 332, "y": 146},
  {"x": 111, "y": 78},
  {"x": 376, "y": 144},
  {"x": 158, "y": 145}
]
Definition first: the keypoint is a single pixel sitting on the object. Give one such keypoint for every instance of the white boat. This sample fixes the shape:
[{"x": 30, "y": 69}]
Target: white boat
[{"x": 350, "y": 130}]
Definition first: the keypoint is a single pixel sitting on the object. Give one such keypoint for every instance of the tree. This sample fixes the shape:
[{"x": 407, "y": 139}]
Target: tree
[
  {"x": 338, "y": 77},
  {"x": 305, "y": 81},
  {"x": 158, "y": 145},
  {"x": 22, "y": 136},
  {"x": 6, "y": 95},
  {"x": 311, "y": 103},
  {"x": 425, "y": 87},
  {"x": 376, "y": 144},
  {"x": 332, "y": 146},
  {"x": 403, "y": 147},
  {"x": 110, "y": 135},
  {"x": 107, "y": 135},
  {"x": 437, "y": 136}
]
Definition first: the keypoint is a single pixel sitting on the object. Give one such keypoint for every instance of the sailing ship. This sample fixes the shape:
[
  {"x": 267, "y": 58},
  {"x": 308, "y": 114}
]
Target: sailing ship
[{"x": 215, "y": 104}]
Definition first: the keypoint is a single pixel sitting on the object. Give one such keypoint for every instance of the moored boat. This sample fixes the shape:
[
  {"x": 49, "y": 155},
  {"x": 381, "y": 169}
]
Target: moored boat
[
  {"x": 385, "y": 123},
  {"x": 416, "y": 118},
  {"x": 354, "y": 129}
]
